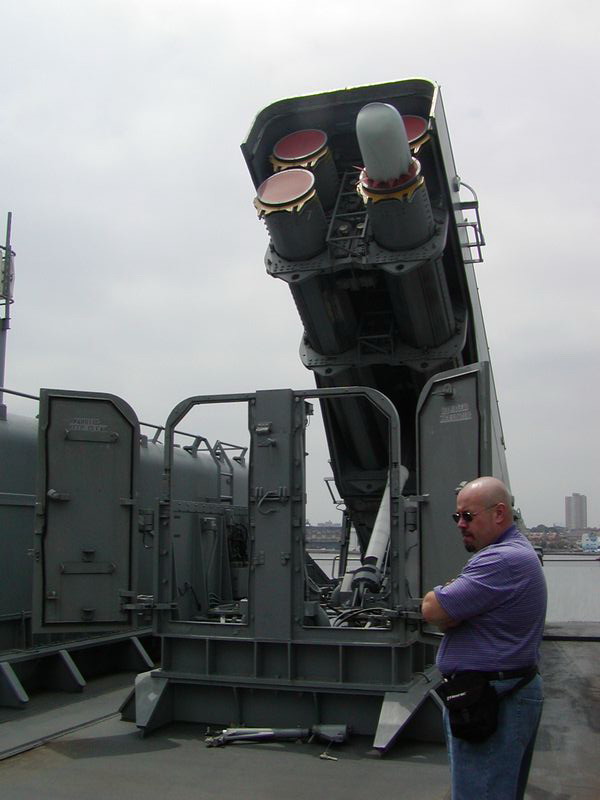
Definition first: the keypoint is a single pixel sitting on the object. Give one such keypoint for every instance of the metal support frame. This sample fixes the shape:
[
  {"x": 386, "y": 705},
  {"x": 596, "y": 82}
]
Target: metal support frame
[
  {"x": 12, "y": 693},
  {"x": 65, "y": 667},
  {"x": 270, "y": 667}
]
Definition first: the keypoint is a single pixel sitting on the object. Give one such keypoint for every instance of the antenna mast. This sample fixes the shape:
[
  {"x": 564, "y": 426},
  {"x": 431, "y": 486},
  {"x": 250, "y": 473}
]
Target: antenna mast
[{"x": 7, "y": 279}]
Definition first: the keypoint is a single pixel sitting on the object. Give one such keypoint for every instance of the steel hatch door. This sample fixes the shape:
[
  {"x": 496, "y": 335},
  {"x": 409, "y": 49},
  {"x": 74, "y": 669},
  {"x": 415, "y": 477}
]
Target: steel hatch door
[
  {"x": 454, "y": 445},
  {"x": 86, "y": 513}
]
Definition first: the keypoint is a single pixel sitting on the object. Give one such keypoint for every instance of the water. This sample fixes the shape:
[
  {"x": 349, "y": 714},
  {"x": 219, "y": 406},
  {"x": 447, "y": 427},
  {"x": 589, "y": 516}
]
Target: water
[
  {"x": 573, "y": 588},
  {"x": 573, "y": 585}
]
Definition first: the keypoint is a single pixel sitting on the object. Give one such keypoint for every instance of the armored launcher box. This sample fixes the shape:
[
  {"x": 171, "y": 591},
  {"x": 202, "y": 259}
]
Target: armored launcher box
[{"x": 361, "y": 198}]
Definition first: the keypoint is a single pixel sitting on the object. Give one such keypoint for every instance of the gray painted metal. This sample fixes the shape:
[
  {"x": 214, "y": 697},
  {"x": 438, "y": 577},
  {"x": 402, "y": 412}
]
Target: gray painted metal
[
  {"x": 23, "y": 666},
  {"x": 399, "y": 709},
  {"x": 217, "y": 472},
  {"x": 385, "y": 318},
  {"x": 86, "y": 512},
  {"x": 12, "y": 693},
  {"x": 101, "y": 489},
  {"x": 454, "y": 445},
  {"x": 153, "y": 702},
  {"x": 18, "y": 445},
  {"x": 67, "y": 666},
  {"x": 266, "y": 659}
]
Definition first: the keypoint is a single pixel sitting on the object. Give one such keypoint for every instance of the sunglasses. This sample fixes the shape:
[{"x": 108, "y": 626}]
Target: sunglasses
[{"x": 468, "y": 516}]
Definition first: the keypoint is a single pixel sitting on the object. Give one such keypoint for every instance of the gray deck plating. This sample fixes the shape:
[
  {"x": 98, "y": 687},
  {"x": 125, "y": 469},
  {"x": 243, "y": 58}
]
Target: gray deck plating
[
  {"x": 108, "y": 757},
  {"x": 110, "y": 760}
]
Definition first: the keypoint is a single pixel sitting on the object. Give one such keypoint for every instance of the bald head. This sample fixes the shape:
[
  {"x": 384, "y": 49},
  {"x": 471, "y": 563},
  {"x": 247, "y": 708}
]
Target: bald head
[
  {"x": 490, "y": 505},
  {"x": 489, "y": 490}
]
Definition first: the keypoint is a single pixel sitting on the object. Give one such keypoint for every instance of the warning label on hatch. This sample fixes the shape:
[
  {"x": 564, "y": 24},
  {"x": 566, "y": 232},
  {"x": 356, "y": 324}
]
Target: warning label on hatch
[
  {"x": 460, "y": 412},
  {"x": 87, "y": 424}
]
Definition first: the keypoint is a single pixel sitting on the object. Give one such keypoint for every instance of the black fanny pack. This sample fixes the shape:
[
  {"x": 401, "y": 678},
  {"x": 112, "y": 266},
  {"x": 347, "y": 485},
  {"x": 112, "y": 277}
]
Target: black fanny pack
[{"x": 473, "y": 703}]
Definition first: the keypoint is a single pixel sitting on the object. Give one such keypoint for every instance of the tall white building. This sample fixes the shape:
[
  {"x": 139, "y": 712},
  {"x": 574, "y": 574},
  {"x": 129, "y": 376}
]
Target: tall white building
[{"x": 576, "y": 512}]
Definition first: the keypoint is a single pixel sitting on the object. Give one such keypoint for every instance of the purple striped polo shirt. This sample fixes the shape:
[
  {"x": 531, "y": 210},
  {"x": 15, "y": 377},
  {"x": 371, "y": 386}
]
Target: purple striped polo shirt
[{"x": 499, "y": 599}]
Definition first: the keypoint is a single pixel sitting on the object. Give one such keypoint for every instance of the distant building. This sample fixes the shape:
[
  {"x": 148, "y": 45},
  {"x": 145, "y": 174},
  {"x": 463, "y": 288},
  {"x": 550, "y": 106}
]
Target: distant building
[
  {"x": 323, "y": 537},
  {"x": 328, "y": 537},
  {"x": 576, "y": 512}
]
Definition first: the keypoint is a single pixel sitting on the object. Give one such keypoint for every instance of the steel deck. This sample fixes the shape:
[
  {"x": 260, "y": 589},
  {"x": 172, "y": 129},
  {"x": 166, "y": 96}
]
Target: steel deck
[{"x": 89, "y": 752}]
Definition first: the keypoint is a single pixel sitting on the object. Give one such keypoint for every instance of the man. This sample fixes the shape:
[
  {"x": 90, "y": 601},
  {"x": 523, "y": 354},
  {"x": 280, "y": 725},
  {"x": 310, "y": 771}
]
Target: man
[{"x": 492, "y": 615}]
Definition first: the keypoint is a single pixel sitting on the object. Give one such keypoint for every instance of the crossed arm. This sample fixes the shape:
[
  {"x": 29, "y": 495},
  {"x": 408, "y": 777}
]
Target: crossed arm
[{"x": 434, "y": 613}]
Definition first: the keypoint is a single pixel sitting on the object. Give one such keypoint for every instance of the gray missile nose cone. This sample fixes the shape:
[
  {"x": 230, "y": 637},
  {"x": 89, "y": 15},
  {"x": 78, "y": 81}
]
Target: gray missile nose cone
[{"x": 383, "y": 142}]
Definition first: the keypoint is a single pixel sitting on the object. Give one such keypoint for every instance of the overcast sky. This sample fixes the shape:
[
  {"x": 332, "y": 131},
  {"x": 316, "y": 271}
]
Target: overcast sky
[{"x": 139, "y": 255}]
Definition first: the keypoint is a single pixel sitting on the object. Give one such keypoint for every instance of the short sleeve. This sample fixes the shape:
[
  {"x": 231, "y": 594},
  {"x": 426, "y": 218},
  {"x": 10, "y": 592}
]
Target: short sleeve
[{"x": 483, "y": 584}]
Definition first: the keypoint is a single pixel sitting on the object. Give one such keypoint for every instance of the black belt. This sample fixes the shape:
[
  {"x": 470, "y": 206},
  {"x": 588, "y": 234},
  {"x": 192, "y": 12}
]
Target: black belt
[{"x": 504, "y": 674}]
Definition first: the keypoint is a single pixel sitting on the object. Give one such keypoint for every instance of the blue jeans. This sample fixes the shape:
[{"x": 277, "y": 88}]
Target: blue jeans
[{"x": 497, "y": 769}]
